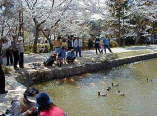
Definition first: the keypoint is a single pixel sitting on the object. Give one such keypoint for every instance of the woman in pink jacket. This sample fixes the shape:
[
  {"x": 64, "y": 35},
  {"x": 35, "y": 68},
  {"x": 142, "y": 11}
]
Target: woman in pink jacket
[{"x": 46, "y": 106}]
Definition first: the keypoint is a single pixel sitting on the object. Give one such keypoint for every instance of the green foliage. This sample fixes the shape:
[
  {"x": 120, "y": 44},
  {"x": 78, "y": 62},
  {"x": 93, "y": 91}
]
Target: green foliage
[{"x": 29, "y": 48}]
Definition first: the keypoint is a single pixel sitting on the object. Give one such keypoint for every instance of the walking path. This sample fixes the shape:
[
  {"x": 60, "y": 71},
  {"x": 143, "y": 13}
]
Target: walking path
[
  {"x": 16, "y": 89},
  {"x": 90, "y": 55}
]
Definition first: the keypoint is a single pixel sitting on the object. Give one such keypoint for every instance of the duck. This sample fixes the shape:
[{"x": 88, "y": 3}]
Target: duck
[
  {"x": 149, "y": 80},
  {"x": 108, "y": 89},
  {"x": 120, "y": 94},
  {"x": 115, "y": 85},
  {"x": 101, "y": 94}
]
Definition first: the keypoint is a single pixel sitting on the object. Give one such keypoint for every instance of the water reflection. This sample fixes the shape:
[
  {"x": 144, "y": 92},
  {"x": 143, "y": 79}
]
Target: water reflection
[{"x": 78, "y": 95}]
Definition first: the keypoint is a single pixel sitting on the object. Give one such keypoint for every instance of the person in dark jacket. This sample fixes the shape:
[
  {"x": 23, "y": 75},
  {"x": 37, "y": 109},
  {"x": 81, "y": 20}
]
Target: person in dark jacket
[
  {"x": 70, "y": 42},
  {"x": 70, "y": 57},
  {"x": 9, "y": 53},
  {"x": 15, "y": 51},
  {"x": 90, "y": 44},
  {"x": 50, "y": 60},
  {"x": 2, "y": 75},
  {"x": 97, "y": 45}
]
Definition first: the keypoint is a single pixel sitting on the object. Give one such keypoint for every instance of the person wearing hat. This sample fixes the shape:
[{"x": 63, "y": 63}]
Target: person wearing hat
[
  {"x": 25, "y": 106},
  {"x": 46, "y": 106}
]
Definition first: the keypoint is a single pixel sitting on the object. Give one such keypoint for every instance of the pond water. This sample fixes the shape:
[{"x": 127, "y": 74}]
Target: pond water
[{"x": 78, "y": 95}]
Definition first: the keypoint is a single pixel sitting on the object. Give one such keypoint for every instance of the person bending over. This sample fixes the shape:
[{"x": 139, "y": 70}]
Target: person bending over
[
  {"x": 50, "y": 60},
  {"x": 70, "y": 56}
]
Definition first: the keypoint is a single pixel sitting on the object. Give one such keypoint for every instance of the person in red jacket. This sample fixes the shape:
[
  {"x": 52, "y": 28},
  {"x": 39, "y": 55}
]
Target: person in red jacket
[{"x": 46, "y": 106}]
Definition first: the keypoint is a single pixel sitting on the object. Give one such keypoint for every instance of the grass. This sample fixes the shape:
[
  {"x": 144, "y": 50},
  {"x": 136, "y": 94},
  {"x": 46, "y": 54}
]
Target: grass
[{"x": 132, "y": 53}]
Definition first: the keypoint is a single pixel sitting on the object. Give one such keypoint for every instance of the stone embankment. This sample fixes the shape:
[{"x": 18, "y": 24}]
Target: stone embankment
[
  {"x": 15, "y": 91},
  {"x": 41, "y": 74}
]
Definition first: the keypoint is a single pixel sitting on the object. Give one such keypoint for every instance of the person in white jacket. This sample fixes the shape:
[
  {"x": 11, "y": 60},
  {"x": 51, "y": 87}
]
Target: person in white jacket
[
  {"x": 78, "y": 46},
  {"x": 20, "y": 46}
]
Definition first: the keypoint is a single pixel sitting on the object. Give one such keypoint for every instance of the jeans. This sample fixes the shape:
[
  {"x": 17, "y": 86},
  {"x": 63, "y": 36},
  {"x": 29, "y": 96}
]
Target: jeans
[
  {"x": 57, "y": 50},
  {"x": 21, "y": 60},
  {"x": 16, "y": 58},
  {"x": 107, "y": 47},
  {"x": 97, "y": 48},
  {"x": 9, "y": 57},
  {"x": 78, "y": 50}
]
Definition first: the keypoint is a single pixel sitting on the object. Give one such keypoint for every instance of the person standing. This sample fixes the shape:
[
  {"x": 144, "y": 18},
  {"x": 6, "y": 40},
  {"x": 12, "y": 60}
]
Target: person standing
[
  {"x": 97, "y": 45},
  {"x": 70, "y": 42},
  {"x": 9, "y": 53},
  {"x": 90, "y": 44},
  {"x": 15, "y": 51},
  {"x": 106, "y": 42},
  {"x": 2, "y": 75},
  {"x": 46, "y": 107},
  {"x": 78, "y": 46},
  {"x": 21, "y": 51}
]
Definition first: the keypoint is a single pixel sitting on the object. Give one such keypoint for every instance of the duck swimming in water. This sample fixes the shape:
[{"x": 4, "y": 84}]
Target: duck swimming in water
[
  {"x": 101, "y": 94},
  {"x": 120, "y": 94},
  {"x": 115, "y": 85},
  {"x": 108, "y": 89},
  {"x": 149, "y": 80}
]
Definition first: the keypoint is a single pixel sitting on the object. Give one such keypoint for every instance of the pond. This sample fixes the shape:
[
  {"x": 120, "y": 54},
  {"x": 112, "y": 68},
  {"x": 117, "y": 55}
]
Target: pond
[{"x": 78, "y": 95}]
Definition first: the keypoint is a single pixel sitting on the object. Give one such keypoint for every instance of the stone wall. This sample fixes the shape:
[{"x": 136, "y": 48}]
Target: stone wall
[{"x": 43, "y": 75}]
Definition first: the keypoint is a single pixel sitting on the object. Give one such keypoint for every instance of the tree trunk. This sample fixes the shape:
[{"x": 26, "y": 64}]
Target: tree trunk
[
  {"x": 37, "y": 30},
  {"x": 50, "y": 43},
  {"x": 119, "y": 28},
  {"x": 36, "y": 40},
  {"x": 48, "y": 37},
  {"x": 2, "y": 32},
  {"x": 21, "y": 33},
  {"x": 123, "y": 43}
]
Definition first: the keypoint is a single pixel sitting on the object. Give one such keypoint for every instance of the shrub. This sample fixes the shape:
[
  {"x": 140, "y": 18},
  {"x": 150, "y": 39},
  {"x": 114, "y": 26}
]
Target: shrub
[
  {"x": 29, "y": 48},
  {"x": 114, "y": 43}
]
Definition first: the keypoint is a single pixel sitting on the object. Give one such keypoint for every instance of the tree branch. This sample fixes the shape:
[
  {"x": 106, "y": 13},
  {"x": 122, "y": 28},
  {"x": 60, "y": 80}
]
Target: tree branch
[
  {"x": 35, "y": 21},
  {"x": 53, "y": 2},
  {"x": 55, "y": 23},
  {"x": 35, "y": 3},
  {"x": 47, "y": 36},
  {"x": 27, "y": 2}
]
